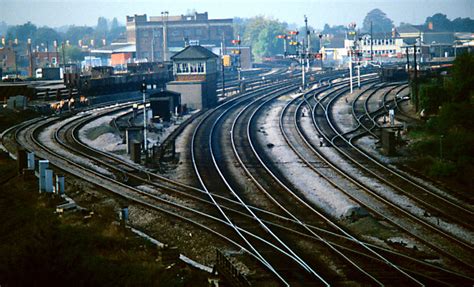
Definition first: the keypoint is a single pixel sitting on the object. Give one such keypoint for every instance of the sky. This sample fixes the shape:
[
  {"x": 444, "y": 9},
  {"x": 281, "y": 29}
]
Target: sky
[{"x": 56, "y": 13}]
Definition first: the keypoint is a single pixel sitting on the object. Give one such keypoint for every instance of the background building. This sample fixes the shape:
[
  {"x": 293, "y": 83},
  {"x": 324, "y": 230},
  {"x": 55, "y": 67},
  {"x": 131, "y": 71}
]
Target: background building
[
  {"x": 148, "y": 35},
  {"x": 383, "y": 45},
  {"x": 7, "y": 59}
]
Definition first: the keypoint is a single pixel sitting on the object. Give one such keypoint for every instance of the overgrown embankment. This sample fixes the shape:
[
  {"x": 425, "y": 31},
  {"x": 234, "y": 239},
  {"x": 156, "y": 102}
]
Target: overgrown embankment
[{"x": 443, "y": 147}]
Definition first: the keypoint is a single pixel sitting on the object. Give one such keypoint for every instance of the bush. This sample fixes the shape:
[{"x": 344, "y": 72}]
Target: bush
[
  {"x": 441, "y": 168},
  {"x": 432, "y": 96}
]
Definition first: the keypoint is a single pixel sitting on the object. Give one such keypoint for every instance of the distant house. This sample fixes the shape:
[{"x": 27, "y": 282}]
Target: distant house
[
  {"x": 383, "y": 45},
  {"x": 433, "y": 41},
  {"x": 425, "y": 34},
  {"x": 334, "y": 50},
  {"x": 7, "y": 58},
  {"x": 117, "y": 54}
]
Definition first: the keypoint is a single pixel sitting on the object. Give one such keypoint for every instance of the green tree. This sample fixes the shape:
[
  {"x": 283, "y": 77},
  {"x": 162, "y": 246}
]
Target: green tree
[
  {"x": 116, "y": 30},
  {"x": 463, "y": 25},
  {"x": 261, "y": 33},
  {"x": 3, "y": 28},
  {"x": 440, "y": 22},
  {"x": 102, "y": 27},
  {"x": 334, "y": 30},
  {"x": 22, "y": 32},
  {"x": 432, "y": 96},
  {"x": 461, "y": 85},
  {"x": 380, "y": 22},
  {"x": 46, "y": 34},
  {"x": 73, "y": 54},
  {"x": 76, "y": 33}
]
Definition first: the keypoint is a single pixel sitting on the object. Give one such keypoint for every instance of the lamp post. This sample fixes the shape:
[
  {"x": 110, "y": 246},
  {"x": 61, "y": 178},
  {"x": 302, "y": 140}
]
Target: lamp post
[
  {"x": 222, "y": 64},
  {"x": 371, "y": 43},
  {"x": 358, "y": 63},
  {"x": 321, "y": 49},
  {"x": 283, "y": 37},
  {"x": 164, "y": 18},
  {"x": 308, "y": 42},
  {"x": 30, "y": 59},
  {"x": 145, "y": 147},
  {"x": 239, "y": 68},
  {"x": 352, "y": 32}
]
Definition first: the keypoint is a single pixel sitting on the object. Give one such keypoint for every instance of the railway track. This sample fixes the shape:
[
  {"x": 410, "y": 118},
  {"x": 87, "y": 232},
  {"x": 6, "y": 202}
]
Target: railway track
[
  {"x": 64, "y": 158},
  {"x": 379, "y": 273},
  {"x": 301, "y": 141},
  {"x": 276, "y": 222},
  {"x": 318, "y": 120},
  {"x": 221, "y": 163}
]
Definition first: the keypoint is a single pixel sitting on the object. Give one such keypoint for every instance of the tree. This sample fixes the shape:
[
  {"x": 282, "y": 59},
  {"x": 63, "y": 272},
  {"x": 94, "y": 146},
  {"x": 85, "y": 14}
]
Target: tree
[
  {"x": 114, "y": 24},
  {"x": 334, "y": 30},
  {"x": 380, "y": 22},
  {"x": 261, "y": 33},
  {"x": 440, "y": 22},
  {"x": 76, "y": 33},
  {"x": 463, "y": 25},
  {"x": 461, "y": 85},
  {"x": 115, "y": 30},
  {"x": 22, "y": 32},
  {"x": 45, "y": 34},
  {"x": 3, "y": 28},
  {"x": 73, "y": 54},
  {"x": 102, "y": 27}
]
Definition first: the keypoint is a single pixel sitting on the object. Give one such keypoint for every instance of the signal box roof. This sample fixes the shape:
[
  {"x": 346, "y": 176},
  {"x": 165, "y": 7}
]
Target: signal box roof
[
  {"x": 165, "y": 93},
  {"x": 194, "y": 53}
]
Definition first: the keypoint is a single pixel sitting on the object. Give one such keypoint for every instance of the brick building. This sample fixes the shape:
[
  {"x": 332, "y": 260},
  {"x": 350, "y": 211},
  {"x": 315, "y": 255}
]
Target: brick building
[
  {"x": 43, "y": 59},
  {"x": 196, "y": 28},
  {"x": 7, "y": 58}
]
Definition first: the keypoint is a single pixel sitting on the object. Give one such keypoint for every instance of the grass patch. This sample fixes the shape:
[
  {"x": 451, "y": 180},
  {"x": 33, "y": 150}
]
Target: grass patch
[
  {"x": 443, "y": 148},
  {"x": 10, "y": 118},
  {"x": 38, "y": 248}
]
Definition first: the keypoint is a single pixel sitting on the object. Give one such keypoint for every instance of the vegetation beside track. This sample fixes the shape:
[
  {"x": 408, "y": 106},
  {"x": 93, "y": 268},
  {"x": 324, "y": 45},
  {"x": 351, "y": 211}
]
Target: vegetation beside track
[
  {"x": 9, "y": 117},
  {"x": 443, "y": 147},
  {"x": 41, "y": 248}
]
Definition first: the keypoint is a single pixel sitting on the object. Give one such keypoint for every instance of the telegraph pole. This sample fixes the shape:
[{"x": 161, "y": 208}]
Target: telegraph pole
[
  {"x": 222, "y": 64},
  {"x": 350, "y": 69},
  {"x": 415, "y": 70},
  {"x": 55, "y": 45},
  {"x": 64, "y": 57},
  {"x": 303, "y": 76},
  {"x": 408, "y": 58},
  {"x": 308, "y": 41},
  {"x": 145, "y": 145},
  {"x": 358, "y": 61},
  {"x": 30, "y": 59},
  {"x": 371, "y": 43},
  {"x": 321, "y": 49},
  {"x": 164, "y": 18},
  {"x": 239, "y": 68}
]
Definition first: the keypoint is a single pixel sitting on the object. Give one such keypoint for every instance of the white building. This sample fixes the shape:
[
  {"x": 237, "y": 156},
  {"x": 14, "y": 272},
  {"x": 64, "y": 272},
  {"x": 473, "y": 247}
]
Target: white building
[{"x": 382, "y": 46}]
